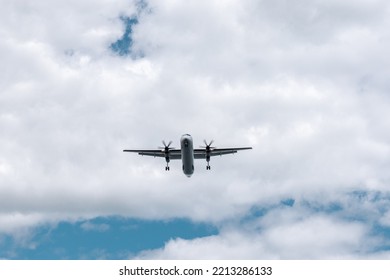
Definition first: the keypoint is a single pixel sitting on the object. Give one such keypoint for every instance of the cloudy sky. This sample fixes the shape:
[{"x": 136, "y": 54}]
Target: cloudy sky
[{"x": 306, "y": 83}]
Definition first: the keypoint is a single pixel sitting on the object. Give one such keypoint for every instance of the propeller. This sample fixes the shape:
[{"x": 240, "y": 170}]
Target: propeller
[
  {"x": 166, "y": 147},
  {"x": 208, "y": 146}
]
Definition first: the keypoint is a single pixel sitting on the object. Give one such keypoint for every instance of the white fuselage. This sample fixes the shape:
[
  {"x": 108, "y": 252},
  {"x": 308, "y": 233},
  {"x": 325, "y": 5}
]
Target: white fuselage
[{"x": 187, "y": 154}]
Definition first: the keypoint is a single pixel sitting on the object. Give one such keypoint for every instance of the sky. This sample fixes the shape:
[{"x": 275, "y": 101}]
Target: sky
[{"x": 305, "y": 83}]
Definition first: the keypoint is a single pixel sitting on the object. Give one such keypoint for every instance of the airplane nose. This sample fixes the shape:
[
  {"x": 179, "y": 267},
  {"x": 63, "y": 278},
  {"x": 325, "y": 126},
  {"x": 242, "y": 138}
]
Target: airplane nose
[{"x": 188, "y": 175}]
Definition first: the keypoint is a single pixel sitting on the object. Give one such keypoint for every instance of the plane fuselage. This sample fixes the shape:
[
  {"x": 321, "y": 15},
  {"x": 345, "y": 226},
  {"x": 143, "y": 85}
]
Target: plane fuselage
[{"x": 187, "y": 154}]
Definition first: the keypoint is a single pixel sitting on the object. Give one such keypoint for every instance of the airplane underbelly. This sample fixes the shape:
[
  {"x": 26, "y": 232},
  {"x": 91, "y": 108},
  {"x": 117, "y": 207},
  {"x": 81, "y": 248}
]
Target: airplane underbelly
[{"x": 188, "y": 162}]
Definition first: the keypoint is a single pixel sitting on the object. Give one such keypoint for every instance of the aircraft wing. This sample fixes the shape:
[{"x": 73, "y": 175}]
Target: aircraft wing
[
  {"x": 201, "y": 153},
  {"x": 173, "y": 153}
]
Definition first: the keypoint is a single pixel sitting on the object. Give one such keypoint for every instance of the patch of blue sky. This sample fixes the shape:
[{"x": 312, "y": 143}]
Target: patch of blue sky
[
  {"x": 103, "y": 238},
  {"x": 258, "y": 211},
  {"x": 327, "y": 208},
  {"x": 373, "y": 204},
  {"x": 382, "y": 232},
  {"x": 288, "y": 202},
  {"x": 123, "y": 45},
  {"x": 341, "y": 208}
]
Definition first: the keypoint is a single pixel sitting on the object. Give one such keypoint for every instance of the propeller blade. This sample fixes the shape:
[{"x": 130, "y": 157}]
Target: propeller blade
[
  {"x": 208, "y": 146},
  {"x": 166, "y": 146}
]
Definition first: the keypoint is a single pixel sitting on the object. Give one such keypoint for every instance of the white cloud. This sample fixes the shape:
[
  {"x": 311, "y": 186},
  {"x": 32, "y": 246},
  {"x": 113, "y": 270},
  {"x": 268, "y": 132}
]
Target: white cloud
[
  {"x": 22, "y": 227},
  {"x": 88, "y": 226},
  {"x": 301, "y": 231},
  {"x": 305, "y": 83},
  {"x": 385, "y": 219},
  {"x": 15, "y": 221},
  {"x": 281, "y": 234},
  {"x": 86, "y": 26}
]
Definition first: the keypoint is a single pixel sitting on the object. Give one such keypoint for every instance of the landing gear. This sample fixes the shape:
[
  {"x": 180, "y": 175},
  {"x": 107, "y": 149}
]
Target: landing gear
[
  {"x": 208, "y": 167},
  {"x": 166, "y": 150},
  {"x": 208, "y": 150},
  {"x": 167, "y": 167}
]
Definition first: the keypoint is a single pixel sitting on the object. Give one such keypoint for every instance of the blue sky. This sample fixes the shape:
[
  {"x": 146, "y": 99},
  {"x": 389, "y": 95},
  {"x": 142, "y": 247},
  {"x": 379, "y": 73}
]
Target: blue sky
[
  {"x": 303, "y": 82},
  {"x": 103, "y": 238},
  {"x": 123, "y": 45}
]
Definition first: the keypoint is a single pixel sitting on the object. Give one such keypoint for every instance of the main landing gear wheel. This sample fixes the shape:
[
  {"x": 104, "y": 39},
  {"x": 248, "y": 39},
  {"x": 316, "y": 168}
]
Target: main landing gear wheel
[{"x": 208, "y": 150}]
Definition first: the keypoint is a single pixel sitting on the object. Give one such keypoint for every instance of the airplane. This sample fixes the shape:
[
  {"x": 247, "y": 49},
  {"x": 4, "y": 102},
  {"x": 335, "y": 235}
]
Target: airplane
[{"x": 187, "y": 153}]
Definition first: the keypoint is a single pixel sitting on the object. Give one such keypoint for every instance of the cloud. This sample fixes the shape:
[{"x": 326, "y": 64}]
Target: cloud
[
  {"x": 86, "y": 26},
  {"x": 304, "y": 83},
  {"x": 385, "y": 219},
  {"x": 313, "y": 238},
  {"x": 16, "y": 221},
  {"x": 22, "y": 228},
  {"x": 298, "y": 232},
  {"x": 88, "y": 226}
]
